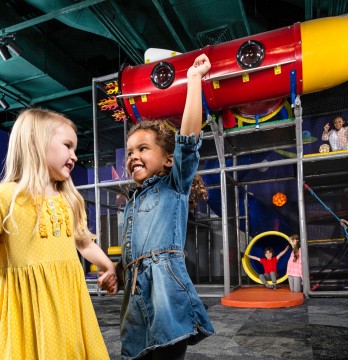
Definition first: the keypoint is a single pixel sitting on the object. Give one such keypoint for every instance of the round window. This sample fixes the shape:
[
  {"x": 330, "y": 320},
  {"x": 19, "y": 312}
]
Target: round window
[
  {"x": 162, "y": 75},
  {"x": 250, "y": 54}
]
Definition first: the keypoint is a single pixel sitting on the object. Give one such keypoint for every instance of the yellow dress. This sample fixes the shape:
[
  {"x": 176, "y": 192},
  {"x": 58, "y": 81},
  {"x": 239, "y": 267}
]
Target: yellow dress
[{"x": 45, "y": 308}]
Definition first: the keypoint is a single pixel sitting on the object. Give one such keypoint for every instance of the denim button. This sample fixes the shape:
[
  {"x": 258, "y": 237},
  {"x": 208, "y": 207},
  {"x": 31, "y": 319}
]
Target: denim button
[{"x": 128, "y": 245}]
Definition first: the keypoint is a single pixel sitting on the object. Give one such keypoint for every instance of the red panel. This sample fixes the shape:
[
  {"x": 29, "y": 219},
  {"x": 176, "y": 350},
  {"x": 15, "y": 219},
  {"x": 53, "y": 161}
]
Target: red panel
[{"x": 280, "y": 45}]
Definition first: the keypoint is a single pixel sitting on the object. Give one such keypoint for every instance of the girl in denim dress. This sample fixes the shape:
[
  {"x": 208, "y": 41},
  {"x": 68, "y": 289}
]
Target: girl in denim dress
[{"x": 161, "y": 310}]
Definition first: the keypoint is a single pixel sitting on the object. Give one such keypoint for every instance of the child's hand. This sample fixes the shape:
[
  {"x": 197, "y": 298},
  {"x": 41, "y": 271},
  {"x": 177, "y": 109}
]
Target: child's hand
[
  {"x": 200, "y": 66},
  {"x": 344, "y": 222},
  {"x": 107, "y": 280},
  {"x": 327, "y": 127}
]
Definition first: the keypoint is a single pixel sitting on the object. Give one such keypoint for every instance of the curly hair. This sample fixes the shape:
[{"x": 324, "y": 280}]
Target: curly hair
[{"x": 165, "y": 138}]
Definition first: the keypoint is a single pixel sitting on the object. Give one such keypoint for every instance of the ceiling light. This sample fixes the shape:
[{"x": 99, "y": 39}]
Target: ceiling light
[
  {"x": 7, "y": 44},
  {"x": 5, "y": 54},
  {"x": 11, "y": 45},
  {"x": 4, "y": 104}
]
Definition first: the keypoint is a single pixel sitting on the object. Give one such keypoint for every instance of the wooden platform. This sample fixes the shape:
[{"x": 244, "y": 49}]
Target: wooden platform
[{"x": 261, "y": 297}]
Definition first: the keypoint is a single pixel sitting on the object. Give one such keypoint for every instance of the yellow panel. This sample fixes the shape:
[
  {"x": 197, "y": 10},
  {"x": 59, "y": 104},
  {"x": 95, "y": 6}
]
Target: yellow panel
[
  {"x": 93, "y": 268},
  {"x": 115, "y": 250}
]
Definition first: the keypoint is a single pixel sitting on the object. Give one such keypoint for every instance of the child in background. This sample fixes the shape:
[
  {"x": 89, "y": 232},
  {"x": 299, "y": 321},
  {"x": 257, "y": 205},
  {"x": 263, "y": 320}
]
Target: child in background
[
  {"x": 338, "y": 137},
  {"x": 344, "y": 223},
  {"x": 45, "y": 308},
  {"x": 269, "y": 263},
  {"x": 294, "y": 268},
  {"x": 161, "y": 309}
]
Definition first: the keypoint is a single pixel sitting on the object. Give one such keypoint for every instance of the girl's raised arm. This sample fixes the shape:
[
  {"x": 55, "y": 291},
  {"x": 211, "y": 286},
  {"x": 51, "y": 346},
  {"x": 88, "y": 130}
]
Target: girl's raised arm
[
  {"x": 253, "y": 257},
  {"x": 192, "y": 117}
]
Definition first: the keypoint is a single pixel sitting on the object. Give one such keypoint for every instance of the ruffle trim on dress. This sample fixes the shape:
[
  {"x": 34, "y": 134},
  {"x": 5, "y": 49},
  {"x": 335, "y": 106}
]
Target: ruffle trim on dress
[{"x": 59, "y": 213}]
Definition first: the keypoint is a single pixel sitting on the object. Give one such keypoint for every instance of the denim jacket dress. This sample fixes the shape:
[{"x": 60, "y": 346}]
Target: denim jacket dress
[{"x": 164, "y": 307}]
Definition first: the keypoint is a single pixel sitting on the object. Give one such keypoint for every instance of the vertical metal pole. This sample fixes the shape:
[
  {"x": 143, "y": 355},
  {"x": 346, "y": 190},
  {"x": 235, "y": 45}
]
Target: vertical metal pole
[
  {"x": 225, "y": 243},
  {"x": 197, "y": 253},
  {"x": 108, "y": 218},
  {"x": 96, "y": 167},
  {"x": 301, "y": 204},
  {"x": 217, "y": 130},
  {"x": 246, "y": 212},
  {"x": 237, "y": 219},
  {"x": 96, "y": 162},
  {"x": 209, "y": 257}
]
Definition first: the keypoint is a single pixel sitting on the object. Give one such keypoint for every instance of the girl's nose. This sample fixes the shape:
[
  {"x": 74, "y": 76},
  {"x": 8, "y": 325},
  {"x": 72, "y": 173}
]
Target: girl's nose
[
  {"x": 134, "y": 156},
  {"x": 73, "y": 156}
]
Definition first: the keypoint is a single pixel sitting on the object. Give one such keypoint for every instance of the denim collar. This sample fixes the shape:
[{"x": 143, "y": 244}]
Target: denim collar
[{"x": 146, "y": 183}]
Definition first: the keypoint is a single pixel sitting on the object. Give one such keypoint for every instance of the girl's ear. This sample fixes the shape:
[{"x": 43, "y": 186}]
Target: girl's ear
[{"x": 169, "y": 161}]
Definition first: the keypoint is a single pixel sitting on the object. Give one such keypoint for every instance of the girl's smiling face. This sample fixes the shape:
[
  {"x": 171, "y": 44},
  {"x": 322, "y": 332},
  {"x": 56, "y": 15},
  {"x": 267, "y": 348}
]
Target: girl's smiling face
[
  {"x": 338, "y": 123},
  {"x": 60, "y": 153},
  {"x": 294, "y": 240},
  {"x": 145, "y": 158},
  {"x": 268, "y": 255}
]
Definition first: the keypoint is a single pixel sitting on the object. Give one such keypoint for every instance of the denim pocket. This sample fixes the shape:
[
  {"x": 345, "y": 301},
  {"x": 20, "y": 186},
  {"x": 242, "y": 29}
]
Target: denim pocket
[
  {"x": 149, "y": 200},
  {"x": 174, "y": 276}
]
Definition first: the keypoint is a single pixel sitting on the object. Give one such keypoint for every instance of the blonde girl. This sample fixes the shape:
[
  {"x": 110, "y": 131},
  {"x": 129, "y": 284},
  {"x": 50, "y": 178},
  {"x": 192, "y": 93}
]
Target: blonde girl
[{"x": 45, "y": 308}]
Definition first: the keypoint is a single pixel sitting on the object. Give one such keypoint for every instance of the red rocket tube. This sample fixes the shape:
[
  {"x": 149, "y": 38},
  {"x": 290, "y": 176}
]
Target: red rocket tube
[{"x": 286, "y": 59}]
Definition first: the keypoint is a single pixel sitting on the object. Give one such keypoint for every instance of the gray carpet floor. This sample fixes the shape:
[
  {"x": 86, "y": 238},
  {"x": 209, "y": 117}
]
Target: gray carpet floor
[{"x": 316, "y": 330}]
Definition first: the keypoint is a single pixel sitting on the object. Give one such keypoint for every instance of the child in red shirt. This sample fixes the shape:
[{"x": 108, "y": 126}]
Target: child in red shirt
[{"x": 269, "y": 263}]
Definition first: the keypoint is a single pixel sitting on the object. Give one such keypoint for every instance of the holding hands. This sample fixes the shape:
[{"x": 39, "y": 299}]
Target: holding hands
[{"x": 108, "y": 281}]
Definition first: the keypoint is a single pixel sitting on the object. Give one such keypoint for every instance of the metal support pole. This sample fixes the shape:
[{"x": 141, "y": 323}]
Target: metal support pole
[
  {"x": 197, "y": 253},
  {"x": 96, "y": 162},
  {"x": 301, "y": 204},
  {"x": 108, "y": 221},
  {"x": 96, "y": 167},
  {"x": 209, "y": 258},
  {"x": 237, "y": 220},
  {"x": 225, "y": 243}
]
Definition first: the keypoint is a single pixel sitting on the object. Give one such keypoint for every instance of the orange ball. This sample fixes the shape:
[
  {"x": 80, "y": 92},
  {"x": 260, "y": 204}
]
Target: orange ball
[{"x": 279, "y": 199}]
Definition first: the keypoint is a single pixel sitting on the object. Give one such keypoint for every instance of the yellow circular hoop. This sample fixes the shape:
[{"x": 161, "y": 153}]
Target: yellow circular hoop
[
  {"x": 284, "y": 104},
  {"x": 246, "y": 261}
]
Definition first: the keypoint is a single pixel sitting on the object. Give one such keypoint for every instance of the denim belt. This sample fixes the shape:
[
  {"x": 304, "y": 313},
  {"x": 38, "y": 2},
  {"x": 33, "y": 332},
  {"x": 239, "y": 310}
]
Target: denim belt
[{"x": 138, "y": 260}]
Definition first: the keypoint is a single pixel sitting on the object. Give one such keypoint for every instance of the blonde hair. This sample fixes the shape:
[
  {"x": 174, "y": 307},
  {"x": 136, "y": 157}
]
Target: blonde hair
[{"x": 26, "y": 165}]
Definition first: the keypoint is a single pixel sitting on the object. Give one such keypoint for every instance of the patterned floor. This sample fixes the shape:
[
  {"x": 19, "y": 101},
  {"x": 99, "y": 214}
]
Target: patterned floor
[{"x": 316, "y": 330}]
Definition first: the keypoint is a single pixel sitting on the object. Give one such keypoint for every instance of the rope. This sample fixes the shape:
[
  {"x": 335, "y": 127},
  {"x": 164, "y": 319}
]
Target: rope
[
  {"x": 328, "y": 209},
  {"x": 345, "y": 247}
]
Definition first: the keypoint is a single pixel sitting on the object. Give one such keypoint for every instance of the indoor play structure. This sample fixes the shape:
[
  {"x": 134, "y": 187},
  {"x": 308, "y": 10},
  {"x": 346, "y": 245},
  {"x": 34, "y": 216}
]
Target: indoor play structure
[{"x": 255, "y": 166}]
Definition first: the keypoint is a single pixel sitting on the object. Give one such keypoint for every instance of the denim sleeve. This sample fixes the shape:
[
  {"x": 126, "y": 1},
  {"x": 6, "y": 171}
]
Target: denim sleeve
[
  {"x": 186, "y": 161},
  {"x": 189, "y": 141}
]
